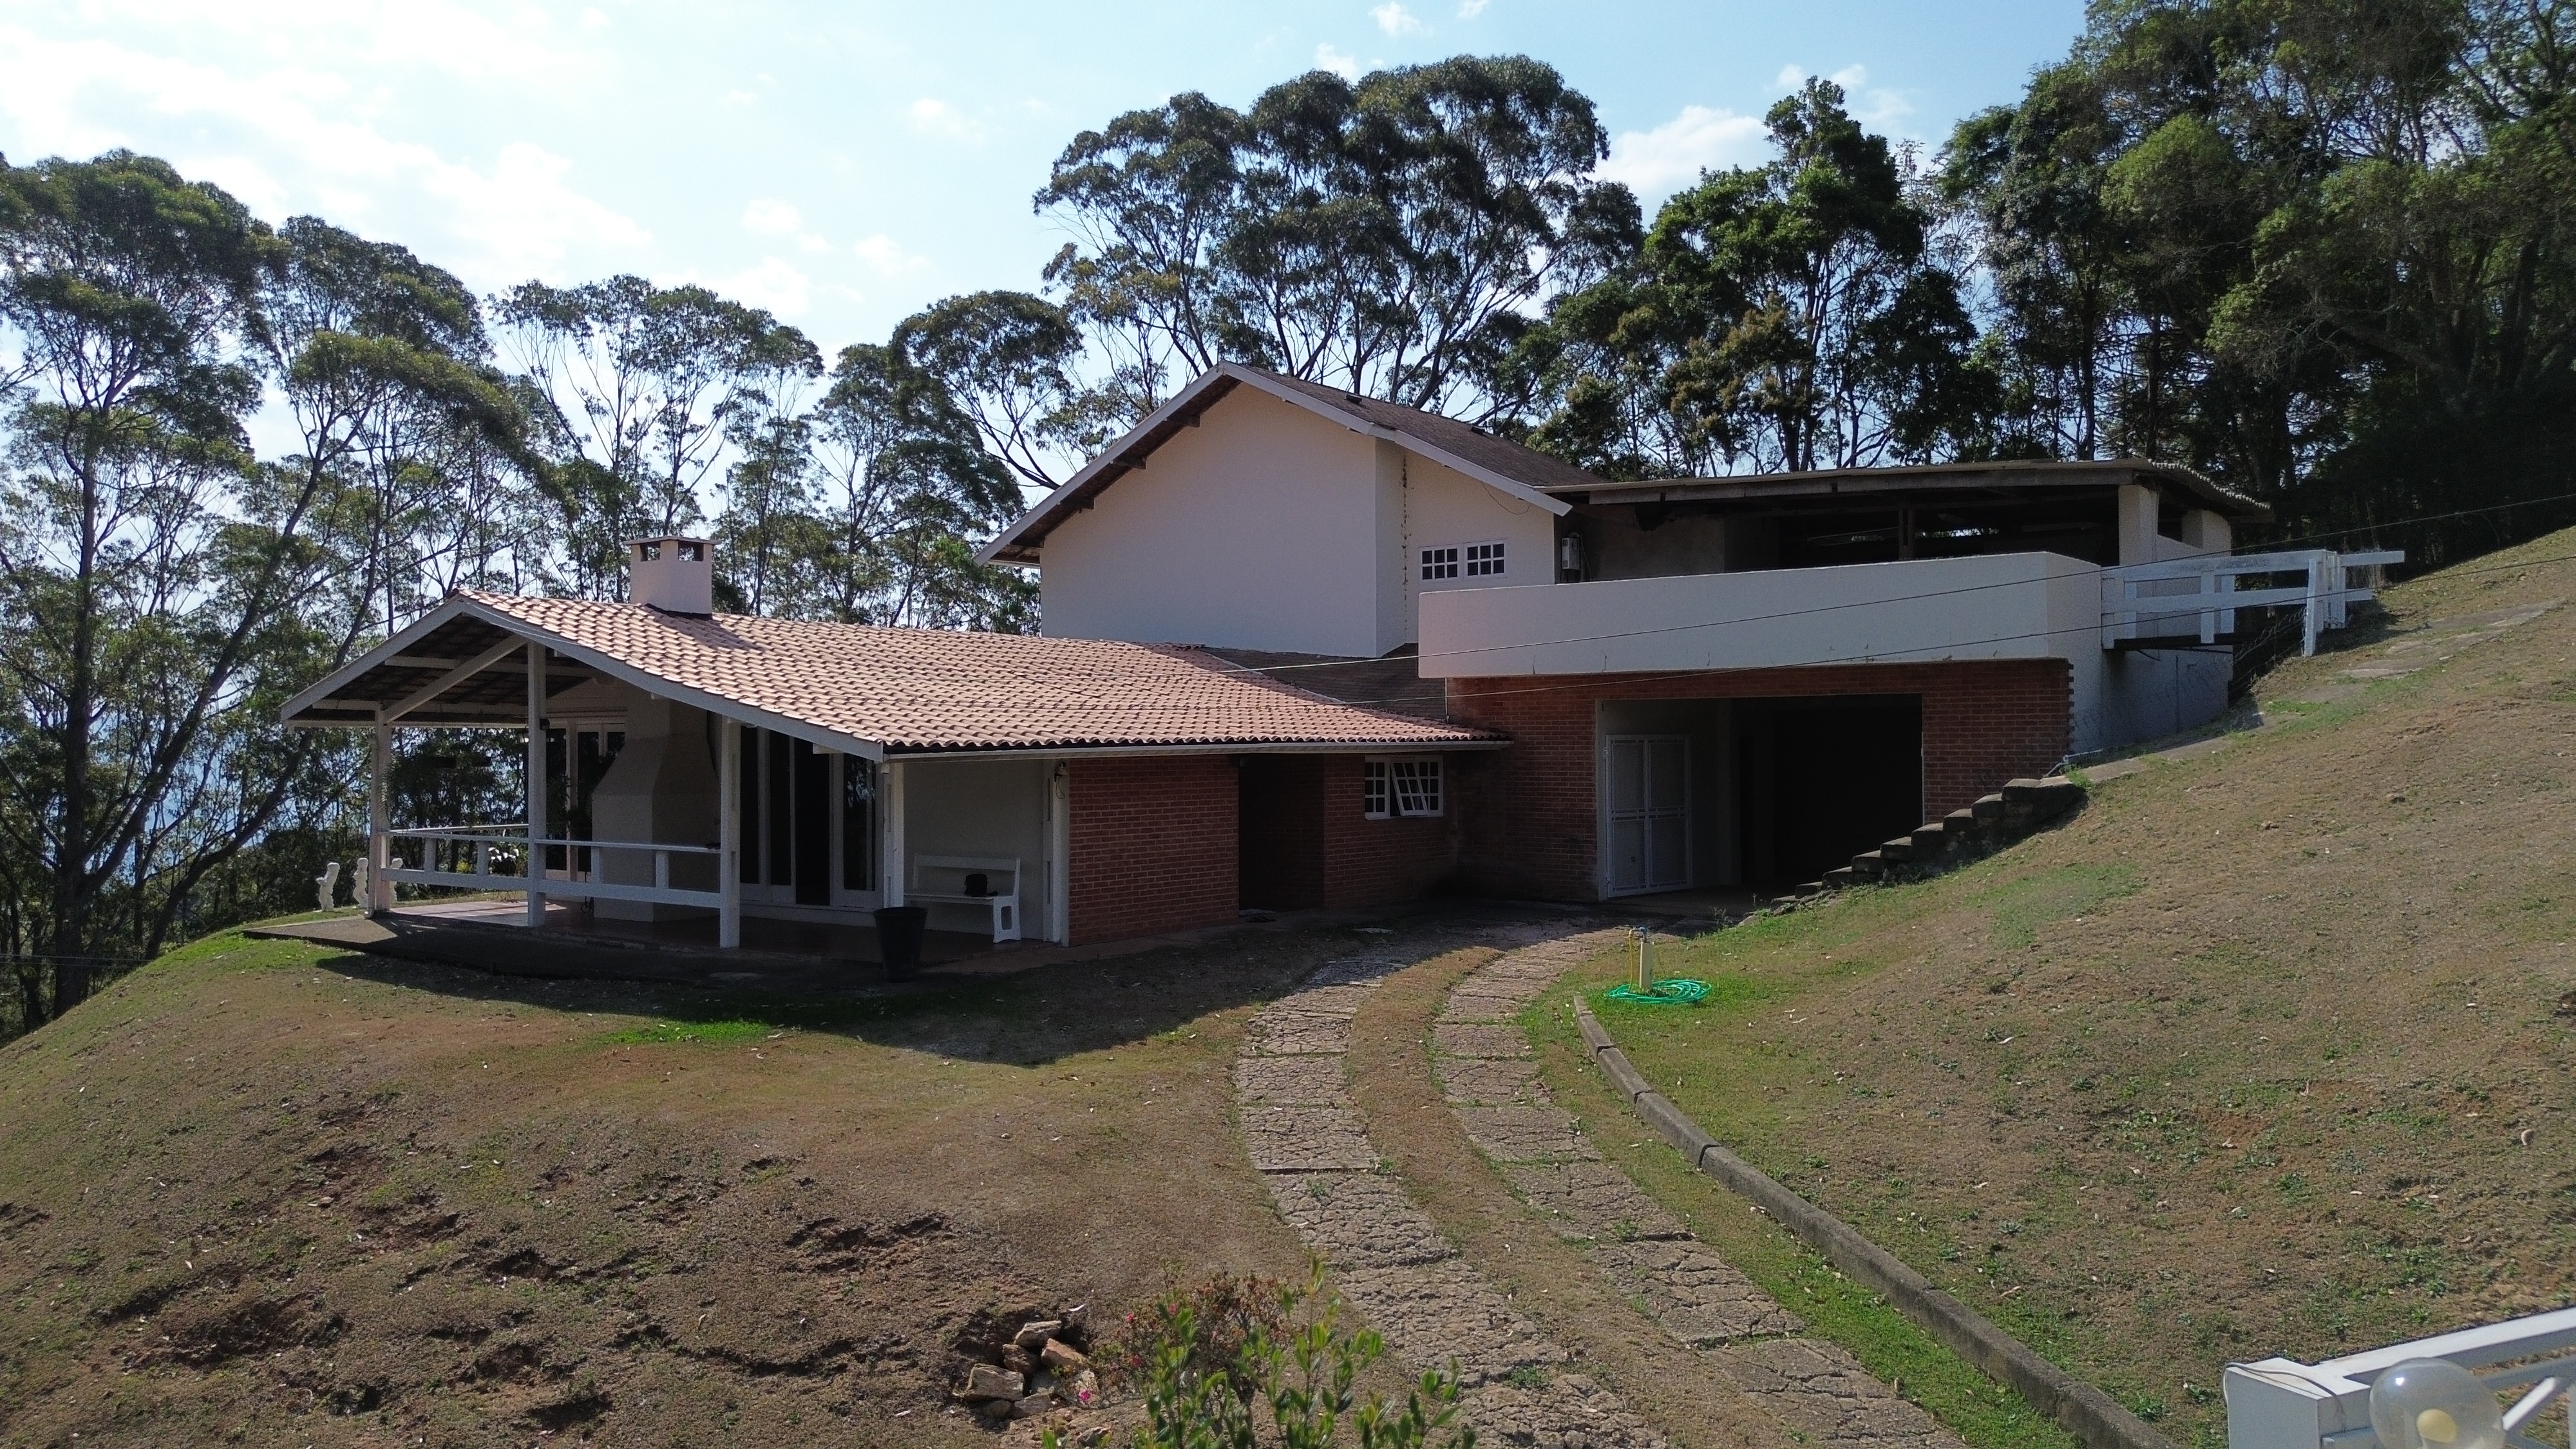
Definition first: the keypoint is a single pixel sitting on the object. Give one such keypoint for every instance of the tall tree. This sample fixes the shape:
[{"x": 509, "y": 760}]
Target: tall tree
[
  {"x": 1784, "y": 316},
  {"x": 1392, "y": 235},
  {"x": 644, "y": 386},
  {"x": 1009, "y": 359}
]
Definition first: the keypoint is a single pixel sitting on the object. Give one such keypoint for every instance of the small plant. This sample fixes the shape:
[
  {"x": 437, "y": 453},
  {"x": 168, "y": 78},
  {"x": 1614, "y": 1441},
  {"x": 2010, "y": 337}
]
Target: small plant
[{"x": 1212, "y": 1357}]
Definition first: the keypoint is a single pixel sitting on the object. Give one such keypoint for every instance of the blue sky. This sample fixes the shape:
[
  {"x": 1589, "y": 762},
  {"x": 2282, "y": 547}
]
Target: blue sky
[{"x": 844, "y": 164}]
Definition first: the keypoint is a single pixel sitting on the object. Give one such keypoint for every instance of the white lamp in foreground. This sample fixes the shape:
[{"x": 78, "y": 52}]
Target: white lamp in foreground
[{"x": 2433, "y": 1403}]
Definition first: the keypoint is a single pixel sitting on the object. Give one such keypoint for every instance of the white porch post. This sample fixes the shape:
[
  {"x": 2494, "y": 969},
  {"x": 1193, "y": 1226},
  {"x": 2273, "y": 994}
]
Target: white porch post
[
  {"x": 729, "y": 835},
  {"x": 1060, "y": 854},
  {"x": 380, "y": 764},
  {"x": 890, "y": 833},
  {"x": 536, "y": 782}
]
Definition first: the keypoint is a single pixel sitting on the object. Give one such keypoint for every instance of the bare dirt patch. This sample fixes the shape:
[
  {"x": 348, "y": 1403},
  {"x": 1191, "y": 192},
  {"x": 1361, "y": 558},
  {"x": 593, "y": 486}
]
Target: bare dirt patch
[{"x": 262, "y": 1194}]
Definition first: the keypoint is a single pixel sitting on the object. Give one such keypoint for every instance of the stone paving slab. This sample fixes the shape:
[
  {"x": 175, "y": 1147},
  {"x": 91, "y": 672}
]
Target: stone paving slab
[
  {"x": 1434, "y": 1312},
  {"x": 1293, "y": 1033},
  {"x": 1335, "y": 999},
  {"x": 1269, "y": 1081},
  {"x": 1487, "y": 1079},
  {"x": 1307, "y": 1139},
  {"x": 1526, "y": 1132},
  {"x": 1698, "y": 1297},
  {"x": 1568, "y": 1412},
  {"x": 1488, "y": 1006},
  {"x": 1358, "y": 1219},
  {"x": 1469, "y": 1039},
  {"x": 1583, "y": 1201},
  {"x": 1819, "y": 1389}
]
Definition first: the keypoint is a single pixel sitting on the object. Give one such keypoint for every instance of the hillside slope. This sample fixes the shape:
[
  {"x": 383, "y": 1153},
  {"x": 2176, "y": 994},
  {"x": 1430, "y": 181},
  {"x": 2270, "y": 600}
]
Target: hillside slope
[
  {"x": 262, "y": 1194},
  {"x": 2267, "y": 1051}
]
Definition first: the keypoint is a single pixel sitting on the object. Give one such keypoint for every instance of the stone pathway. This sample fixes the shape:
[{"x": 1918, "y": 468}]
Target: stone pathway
[
  {"x": 1696, "y": 1297},
  {"x": 1390, "y": 1261},
  {"x": 1292, "y": 1090}
]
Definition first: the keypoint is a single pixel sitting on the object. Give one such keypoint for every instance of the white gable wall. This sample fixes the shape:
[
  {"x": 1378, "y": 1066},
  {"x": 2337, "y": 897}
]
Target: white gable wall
[
  {"x": 1255, "y": 530},
  {"x": 1268, "y": 527}
]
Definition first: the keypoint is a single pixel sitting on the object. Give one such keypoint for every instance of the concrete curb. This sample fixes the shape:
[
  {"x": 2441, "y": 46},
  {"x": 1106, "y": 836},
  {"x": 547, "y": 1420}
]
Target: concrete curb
[{"x": 2083, "y": 1410}]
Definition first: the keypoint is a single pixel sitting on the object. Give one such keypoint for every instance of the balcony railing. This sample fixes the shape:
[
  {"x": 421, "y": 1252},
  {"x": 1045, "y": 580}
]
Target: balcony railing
[
  {"x": 495, "y": 858},
  {"x": 2282, "y": 1404},
  {"x": 2184, "y": 598}
]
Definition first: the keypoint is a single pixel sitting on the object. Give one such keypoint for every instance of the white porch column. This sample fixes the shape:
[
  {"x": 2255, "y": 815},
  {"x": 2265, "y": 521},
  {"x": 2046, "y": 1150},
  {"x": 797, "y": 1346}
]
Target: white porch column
[
  {"x": 536, "y": 782},
  {"x": 380, "y": 769},
  {"x": 729, "y": 835},
  {"x": 890, "y": 832},
  {"x": 1060, "y": 854}
]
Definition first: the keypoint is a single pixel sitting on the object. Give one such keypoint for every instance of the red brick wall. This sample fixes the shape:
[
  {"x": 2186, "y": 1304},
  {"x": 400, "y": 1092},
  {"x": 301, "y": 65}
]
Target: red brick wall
[
  {"x": 1307, "y": 842},
  {"x": 1372, "y": 862},
  {"x": 1526, "y": 814},
  {"x": 1153, "y": 845}
]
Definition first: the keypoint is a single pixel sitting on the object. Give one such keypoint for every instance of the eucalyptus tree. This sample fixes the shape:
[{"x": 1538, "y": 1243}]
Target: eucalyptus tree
[
  {"x": 644, "y": 387},
  {"x": 1393, "y": 235},
  {"x": 140, "y": 612},
  {"x": 1010, "y": 359},
  {"x": 1782, "y": 316}
]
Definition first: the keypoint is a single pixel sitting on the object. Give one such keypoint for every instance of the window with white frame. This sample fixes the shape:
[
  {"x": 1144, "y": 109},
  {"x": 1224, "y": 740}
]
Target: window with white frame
[
  {"x": 1484, "y": 559},
  {"x": 1408, "y": 788},
  {"x": 1440, "y": 563}
]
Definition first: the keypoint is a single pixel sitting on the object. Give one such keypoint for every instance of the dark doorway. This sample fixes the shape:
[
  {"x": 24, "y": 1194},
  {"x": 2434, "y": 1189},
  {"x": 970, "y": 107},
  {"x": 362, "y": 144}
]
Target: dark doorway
[
  {"x": 1280, "y": 813},
  {"x": 1822, "y": 780},
  {"x": 813, "y": 826}
]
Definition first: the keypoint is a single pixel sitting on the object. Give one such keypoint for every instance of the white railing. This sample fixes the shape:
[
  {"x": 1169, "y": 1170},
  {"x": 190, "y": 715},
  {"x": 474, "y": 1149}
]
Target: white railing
[
  {"x": 2281, "y": 1404},
  {"x": 2143, "y": 602},
  {"x": 488, "y": 846}
]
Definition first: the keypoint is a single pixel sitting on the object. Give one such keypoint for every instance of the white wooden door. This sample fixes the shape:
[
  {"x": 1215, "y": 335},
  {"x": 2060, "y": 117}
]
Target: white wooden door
[{"x": 1649, "y": 813}]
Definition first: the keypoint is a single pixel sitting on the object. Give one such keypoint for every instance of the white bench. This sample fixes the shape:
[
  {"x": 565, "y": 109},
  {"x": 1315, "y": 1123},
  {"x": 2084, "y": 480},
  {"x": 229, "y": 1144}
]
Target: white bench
[{"x": 941, "y": 880}]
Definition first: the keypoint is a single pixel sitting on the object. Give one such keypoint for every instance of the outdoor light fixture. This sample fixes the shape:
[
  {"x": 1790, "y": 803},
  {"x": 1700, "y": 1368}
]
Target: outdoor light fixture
[{"x": 2433, "y": 1403}]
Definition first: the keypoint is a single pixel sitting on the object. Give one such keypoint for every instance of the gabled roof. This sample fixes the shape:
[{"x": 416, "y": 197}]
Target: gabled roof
[
  {"x": 1498, "y": 463},
  {"x": 867, "y": 690}
]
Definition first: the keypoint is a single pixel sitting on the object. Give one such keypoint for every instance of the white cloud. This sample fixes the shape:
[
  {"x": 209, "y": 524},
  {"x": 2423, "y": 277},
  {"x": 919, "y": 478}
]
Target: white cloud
[
  {"x": 1327, "y": 58},
  {"x": 1790, "y": 77},
  {"x": 1470, "y": 9},
  {"x": 1878, "y": 108},
  {"x": 887, "y": 256},
  {"x": 1394, "y": 19},
  {"x": 934, "y": 115},
  {"x": 507, "y": 217},
  {"x": 740, "y": 98},
  {"x": 773, "y": 284},
  {"x": 1658, "y": 162},
  {"x": 594, "y": 18},
  {"x": 772, "y": 218}
]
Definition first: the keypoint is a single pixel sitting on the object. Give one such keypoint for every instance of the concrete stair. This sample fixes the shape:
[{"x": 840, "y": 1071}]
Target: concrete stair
[{"x": 1994, "y": 821}]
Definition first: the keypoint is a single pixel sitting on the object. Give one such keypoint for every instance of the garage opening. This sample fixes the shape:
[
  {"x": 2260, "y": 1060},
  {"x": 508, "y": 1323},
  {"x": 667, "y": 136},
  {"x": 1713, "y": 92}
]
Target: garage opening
[{"x": 1821, "y": 780}]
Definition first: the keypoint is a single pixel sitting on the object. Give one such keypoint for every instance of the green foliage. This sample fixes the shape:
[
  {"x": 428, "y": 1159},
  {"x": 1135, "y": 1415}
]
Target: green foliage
[
  {"x": 2021, "y": 907},
  {"x": 1212, "y": 1357}
]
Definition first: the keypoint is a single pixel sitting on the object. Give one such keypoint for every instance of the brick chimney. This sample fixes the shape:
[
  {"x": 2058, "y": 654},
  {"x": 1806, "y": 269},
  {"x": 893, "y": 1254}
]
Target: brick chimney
[{"x": 674, "y": 575}]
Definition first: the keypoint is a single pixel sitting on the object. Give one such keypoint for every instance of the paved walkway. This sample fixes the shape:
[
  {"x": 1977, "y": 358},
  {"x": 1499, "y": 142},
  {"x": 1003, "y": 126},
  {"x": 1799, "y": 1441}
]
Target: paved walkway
[{"x": 1391, "y": 1262}]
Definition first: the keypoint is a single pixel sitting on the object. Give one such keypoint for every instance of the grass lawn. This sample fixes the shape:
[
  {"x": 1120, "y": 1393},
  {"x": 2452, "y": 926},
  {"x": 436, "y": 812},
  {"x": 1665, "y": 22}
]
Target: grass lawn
[{"x": 2265, "y": 1052}]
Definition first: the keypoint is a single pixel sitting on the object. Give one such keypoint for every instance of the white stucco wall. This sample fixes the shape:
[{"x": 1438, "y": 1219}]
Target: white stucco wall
[
  {"x": 987, "y": 808},
  {"x": 1445, "y": 508},
  {"x": 1257, "y": 529}
]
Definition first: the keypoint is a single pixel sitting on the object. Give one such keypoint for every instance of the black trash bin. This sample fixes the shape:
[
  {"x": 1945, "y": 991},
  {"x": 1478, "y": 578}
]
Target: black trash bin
[{"x": 899, "y": 931}]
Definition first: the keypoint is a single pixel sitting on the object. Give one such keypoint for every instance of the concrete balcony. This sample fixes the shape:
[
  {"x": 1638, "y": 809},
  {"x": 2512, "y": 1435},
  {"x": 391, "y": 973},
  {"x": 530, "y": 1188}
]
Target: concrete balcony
[{"x": 2000, "y": 606}]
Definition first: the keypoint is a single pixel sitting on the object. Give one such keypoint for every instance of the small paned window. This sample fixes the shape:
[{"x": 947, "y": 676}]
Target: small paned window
[
  {"x": 1409, "y": 788},
  {"x": 1441, "y": 563},
  {"x": 1484, "y": 558}
]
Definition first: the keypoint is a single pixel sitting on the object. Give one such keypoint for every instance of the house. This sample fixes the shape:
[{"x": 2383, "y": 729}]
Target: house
[
  {"x": 1707, "y": 682},
  {"x": 1305, "y": 648}
]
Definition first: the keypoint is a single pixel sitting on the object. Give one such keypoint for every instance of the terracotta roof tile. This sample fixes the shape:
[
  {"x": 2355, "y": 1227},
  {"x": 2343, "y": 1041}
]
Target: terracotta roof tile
[{"x": 937, "y": 689}]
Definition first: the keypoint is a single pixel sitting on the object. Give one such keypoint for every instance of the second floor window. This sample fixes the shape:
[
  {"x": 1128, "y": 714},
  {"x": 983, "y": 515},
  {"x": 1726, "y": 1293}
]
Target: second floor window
[
  {"x": 1484, "y": 558},
  {"x": 1440, "y": 563}
]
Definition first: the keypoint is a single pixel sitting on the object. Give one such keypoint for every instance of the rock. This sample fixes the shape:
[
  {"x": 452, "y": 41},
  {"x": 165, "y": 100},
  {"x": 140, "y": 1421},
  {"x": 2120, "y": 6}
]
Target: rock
[
  {"x": 984, "y": 1381},
  {"x": 1018, "y": 1360},
  {"x": 1062, "y": 1356},
  {"x": 998, "y": 1410},
  {"x": 1084, "y": 1390},
  {"x": 1037, "y": 1331},
  {"x": 1032, "y": 1406},
  {"x": 1078, "y": 1317}
]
